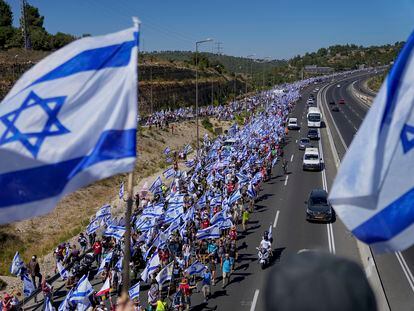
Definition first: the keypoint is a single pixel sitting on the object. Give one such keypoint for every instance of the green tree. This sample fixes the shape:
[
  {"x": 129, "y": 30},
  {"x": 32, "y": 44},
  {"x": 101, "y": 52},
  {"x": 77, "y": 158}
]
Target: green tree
[
  {"x": 6, "y": 20},
  {"x": 33, "y": 17},
  {"x": 6, "y": 15},
  {"x": 60, "y": 39}
]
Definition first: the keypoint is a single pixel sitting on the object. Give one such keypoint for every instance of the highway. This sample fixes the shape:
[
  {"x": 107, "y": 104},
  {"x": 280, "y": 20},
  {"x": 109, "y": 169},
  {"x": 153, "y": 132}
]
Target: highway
[
  {"x": 395, "y": 270},
  {"x": 282, "y": 205}
]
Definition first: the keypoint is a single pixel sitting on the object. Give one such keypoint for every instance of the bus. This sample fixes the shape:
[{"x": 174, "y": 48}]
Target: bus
[{"x": 314, "y": 117}]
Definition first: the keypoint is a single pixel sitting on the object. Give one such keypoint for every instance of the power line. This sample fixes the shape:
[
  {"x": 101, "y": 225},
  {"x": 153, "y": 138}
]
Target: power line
[{"x": 219, "y": 48}]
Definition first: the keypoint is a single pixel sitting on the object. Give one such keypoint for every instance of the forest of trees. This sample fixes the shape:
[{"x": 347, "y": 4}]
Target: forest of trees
[{"x": 11, "y": 37}]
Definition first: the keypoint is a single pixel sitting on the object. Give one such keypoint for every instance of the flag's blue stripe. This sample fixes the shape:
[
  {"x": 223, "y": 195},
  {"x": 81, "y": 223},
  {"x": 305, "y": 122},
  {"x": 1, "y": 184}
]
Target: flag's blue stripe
[
  {"x": 47, "y": 181},
  {"x": 394, "y": 79},
  {"x": 388, "y": 223},
  {"x": 117, "y": 55}
]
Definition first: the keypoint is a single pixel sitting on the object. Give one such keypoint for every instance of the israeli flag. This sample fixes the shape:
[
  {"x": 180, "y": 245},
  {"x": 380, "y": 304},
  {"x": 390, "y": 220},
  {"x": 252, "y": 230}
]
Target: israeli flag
[
  {"x": 196, "y": 268},
  {"x": 105, "y": 262},
  {"x": 153, "y": 263},
  {"x": 251, "y": 192},
  {"x": 105, "y": 210},
  {"x": 134, "y": 291},
  {"x": 155, "y": 185},
  {"x": 64, "y": 274},
  {"x": 167, "y": 151},
  {"x": 67, "y": 122},
  {"x": 48, "y": 305},
  {"x": 234, "y": 197},
  {"x": 153, "y": 211},
  {"x": 121, "y": 191},
  {"x": 65, "y": 305},
  {"x": 93, "y": 226},
  {"x": 212, "y": 232},
  {"x": 16, "y": 265},
  {"x": 118, "y": 265},
  {"x": 165, "y": 274},
  {"x": 82, "y": 291},
  {"x": 190, "y": 163},
  {"x": 116, "y": 232},
  {"x": 373, "y": 193},
  {"x": 168, "y": 173},
  {"x": 28, "y": 286}
]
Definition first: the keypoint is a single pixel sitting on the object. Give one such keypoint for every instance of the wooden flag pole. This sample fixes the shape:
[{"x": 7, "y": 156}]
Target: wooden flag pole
[
  {"x": 128, "y": 212},
  {"x": 127, "y": 245}
]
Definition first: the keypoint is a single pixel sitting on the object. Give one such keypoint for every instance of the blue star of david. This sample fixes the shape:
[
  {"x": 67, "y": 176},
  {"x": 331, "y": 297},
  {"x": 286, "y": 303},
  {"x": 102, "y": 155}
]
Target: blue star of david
[
  {"x": 34, "y": 140},
  {"x": 407, "y": 143}
]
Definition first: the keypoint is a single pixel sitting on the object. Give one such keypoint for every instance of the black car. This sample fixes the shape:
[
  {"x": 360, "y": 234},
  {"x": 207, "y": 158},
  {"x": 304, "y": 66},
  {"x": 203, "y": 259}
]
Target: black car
[
  {"x": 331, "y": 103},
  {"x": 313, "y": 134},
  {"x": 335, "y": 108},
  {"x": 319, "y": 209}
]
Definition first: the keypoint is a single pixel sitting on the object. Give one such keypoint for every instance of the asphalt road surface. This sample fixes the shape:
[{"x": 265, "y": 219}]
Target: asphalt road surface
[
  {"x": 282, "y": 205},
  {"x": 395, "y": 270}
]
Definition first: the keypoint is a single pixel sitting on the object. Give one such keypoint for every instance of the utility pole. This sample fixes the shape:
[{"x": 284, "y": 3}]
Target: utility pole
[
  {"x": 251, "y": 70},
  {"x": 25, "y": 27},
  {"x": 219, "y": 48},
  {"x": 196, "y": 103}
]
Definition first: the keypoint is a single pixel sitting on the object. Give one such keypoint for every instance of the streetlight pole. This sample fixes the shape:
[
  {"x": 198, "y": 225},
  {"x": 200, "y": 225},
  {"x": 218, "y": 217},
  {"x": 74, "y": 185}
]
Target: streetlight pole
[{"x": 196, "y": 61}]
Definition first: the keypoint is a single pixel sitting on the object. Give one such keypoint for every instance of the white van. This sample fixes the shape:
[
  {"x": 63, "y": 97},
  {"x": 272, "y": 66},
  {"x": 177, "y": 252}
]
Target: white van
[
  {"x": 314, "y": 117},
  {"x": 311, "y": 159},
  {"x": 293, "y": 124}
]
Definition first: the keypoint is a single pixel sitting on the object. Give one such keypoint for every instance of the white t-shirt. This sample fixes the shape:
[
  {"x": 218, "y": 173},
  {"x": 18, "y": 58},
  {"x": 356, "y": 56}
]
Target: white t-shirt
[{"x": 265, "y": 244}]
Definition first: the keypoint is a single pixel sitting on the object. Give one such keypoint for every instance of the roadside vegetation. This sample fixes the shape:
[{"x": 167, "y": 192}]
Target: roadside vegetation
[{"x": 375, "y": 82}]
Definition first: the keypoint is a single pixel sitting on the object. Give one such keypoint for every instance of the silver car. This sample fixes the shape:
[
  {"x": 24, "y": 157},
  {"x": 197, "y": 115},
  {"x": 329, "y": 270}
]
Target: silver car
[{"x": 304, "y": 143}]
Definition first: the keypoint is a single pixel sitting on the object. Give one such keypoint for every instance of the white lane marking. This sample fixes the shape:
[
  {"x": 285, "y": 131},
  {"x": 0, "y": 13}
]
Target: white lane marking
[
  {"x": 400, "y": 257},
  {"x": 254, "y": 302},
  {"x": 296, "y": 141},
  {"x": 276, "y": 219},
  {"x": 406, "y": 269},
  {"x": 331, "y": 238},
  {"x": 286, "y": 180},
  {"x": 291, "y": 158}
]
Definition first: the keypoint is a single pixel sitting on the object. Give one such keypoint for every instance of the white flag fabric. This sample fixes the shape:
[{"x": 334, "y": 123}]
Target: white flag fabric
[
  {"x": 134, "y": 291},
  {"x": 64, "y": 273},
  {"x": 28, "y": 286},
  {"x": 165, "y": 274},
  {"x": 373, "y": 193},
  {"x": 16, "y": 265},
  {"x": 67, "y": 122},
  {"x": 106, "y": 287}
]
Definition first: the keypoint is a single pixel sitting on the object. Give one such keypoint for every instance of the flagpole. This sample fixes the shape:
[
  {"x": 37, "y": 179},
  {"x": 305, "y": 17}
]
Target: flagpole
[{"x": 128, "y": 212}]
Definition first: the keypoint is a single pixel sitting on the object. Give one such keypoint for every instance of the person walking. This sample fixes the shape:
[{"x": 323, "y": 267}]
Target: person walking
[
  {"x": 206, "y": 284},
  {"x": 226, "y": 270},
  {"x": 245, "y": 219},
  {"x": 34, "y": 271}
]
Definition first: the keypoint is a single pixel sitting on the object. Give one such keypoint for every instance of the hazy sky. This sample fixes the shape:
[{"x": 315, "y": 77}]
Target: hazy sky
[{"x": 278, "y": 28}]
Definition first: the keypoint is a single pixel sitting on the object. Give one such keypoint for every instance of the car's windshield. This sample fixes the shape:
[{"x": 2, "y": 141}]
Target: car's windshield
[
  {"x": 314, "y": 117},
  {"x": 313, "y": 132},
  {"x": 318, "y": 200},
  {"x": 311, "y": 157},
  {"x": 292, "y": 121},
  {"x": 304, "y": 141}
]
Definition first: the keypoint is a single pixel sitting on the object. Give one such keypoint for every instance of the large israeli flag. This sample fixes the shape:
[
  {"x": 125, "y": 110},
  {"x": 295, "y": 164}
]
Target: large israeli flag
[
  {"x": 373, "y": 193},
  {"x": 70, "y": 120}
]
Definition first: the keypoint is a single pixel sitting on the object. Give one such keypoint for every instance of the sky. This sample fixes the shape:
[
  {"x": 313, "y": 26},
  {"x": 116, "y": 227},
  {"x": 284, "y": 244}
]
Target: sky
[{"x": 279, "y": 29}]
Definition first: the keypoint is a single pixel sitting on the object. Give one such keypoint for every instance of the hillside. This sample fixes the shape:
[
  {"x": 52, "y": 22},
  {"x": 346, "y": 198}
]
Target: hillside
[{"x": 40, "y": 235}]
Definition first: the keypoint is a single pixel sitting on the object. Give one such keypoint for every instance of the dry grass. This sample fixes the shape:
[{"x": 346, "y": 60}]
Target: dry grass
[{"x": 40, "y": 235}]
